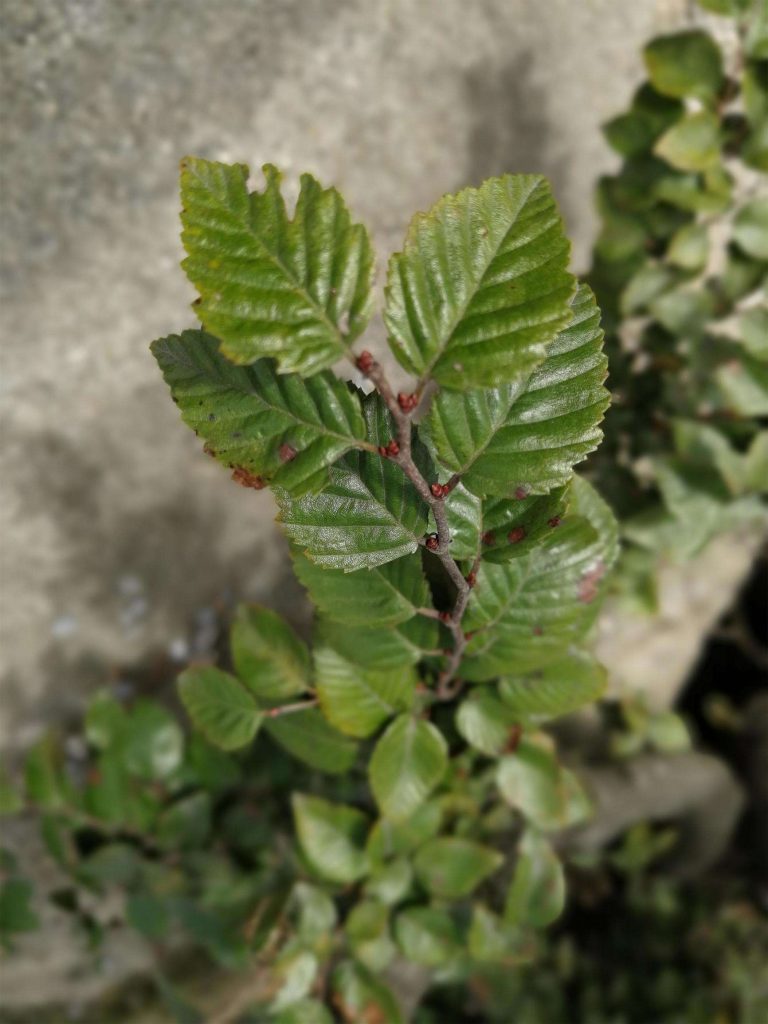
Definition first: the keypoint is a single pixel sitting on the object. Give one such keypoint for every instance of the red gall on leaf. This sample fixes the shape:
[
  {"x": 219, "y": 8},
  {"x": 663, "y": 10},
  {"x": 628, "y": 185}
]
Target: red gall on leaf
[
  {"x": 516, "y": 534},
  {"x": 537, "y": 631},
  {"x": 247, "y": 479},
  {"x": 287, "y": 453},
  {"x": 554, "y": 521},
  {"x": 521, "y": 492},
  {"x": 489, "y": 537},
  {"x": 589, "y": 582},
  {"x": 382, "y": 450}
]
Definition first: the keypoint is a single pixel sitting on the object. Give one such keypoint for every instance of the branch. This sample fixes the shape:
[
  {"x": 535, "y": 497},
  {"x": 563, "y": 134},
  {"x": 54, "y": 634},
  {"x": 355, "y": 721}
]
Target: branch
[
  {"x": 290, "y": 709},
  {"x": 401, "y": 408}
]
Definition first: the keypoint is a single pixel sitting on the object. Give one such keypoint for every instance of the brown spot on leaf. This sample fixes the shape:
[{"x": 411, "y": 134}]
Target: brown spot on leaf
[
  {"x": 516, "y": 534},
  {"x": 521, "y": 492},
  {"x": 590, "y": 582},
  {"x": 245, "y": 478},
  {"x": 287, "y": 453}
]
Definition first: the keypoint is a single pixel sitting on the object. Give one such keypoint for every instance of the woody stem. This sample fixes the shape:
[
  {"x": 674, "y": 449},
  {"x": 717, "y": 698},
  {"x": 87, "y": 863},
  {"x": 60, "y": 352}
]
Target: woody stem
[{"x": 404, "y": 459}]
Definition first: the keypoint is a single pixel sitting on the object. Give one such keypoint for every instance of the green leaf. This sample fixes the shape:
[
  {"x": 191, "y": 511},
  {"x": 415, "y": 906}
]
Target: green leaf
[
  {"x": 427, "y": 936},
  {"x": 750, "y": 229},
  {"x": 396, "y": 838},
  {"x": 105, "y": 721},
  {"x": 533, "y": 782},
  {"x": 528, "y": 436},
  {"x": 16, "y": 913},
  {"x": 148, "y": 915},
  {"x": 307, "y": 736},
  {"x": 294, "y": 971},
  {"x": 692, "y": 144},
  {"x": 268, "y": 656},
  {"x": 536, "y": 896},
  {"x": 305, "y": 1011},
  {"x": 556, "y": 689},
  {"x": 464, "y": 511},
  {"x": 186, "y": 824},
  {"x": 704, "y": 445},
  {"x": 360, "y": 997},
  {"x": 492, "y": 940},
  {"x": 384, "y": 596},
  {"x": 386, "y": 648},
  {"x": 482, "y": 286},
  {"x": 219, "y": 706},
  {"x": 367, "y": 928},
  {"x": 512, "y": 528},
  {"x": 484, "y": 722},
  {"x": 408, "y": 762},
  {"x": 267, "y": 428},
  {"x": 44, "y": 775},
  {"x": 685, "y": 64},
  {"x": 317, "y": 912},
  {"x": 152, "y": 745},
  {"x": 368, "y": 515},
  {"x": 744, "y": 385},
  {"x": 332, "y": 837},
  {"x": 451, "y": 868},
  {"x": 533, "y": 609},
  {"x": 669, "y": 733},
  {"x": 357, "y": 701},
  {"x": 689, "y": 247},
  {"x": 390, "y": 882},
  {"x": 296, "y": 290},
  {"x": 753, "y": 329},
  {"x": 11, "y": 800}
]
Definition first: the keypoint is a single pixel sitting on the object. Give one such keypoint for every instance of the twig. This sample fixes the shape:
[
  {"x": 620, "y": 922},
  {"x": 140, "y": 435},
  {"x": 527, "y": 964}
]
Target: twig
[
  {"x": 404, "y": 458},
  {"x": 290, "y": 709}
]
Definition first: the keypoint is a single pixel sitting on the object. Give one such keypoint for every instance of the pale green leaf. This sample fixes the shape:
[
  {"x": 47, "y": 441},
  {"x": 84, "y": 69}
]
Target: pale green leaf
[
  {"x": 293, "y": 973},
  {"x": 537, "y": 894},
  {"x": 689, "y": 247},
  {"x": 219, "y": 706},
  {"x": 451, "y": 868},
  {"x": 387, "y": 648},
  {"x": 397, "y": 838},
  {"x": 356, "y": 701},
  {"x": 555, "y": 689},
  {"x": 332, "y": 837},
  {"x": 296, "y": 290},
  {"x": 383, "y": 596},
  {"x": 750, "y": 229},
  {"x": 408, "y": 762},
  {"x": 754, "y": 332},
  {"x": 485, "y": 722},
  {"x": 266, "y": 427},
  {"x": 390, "y": 882},
  {"x": 360, "y": 997},
  {"x": 316, "y": 912},
  {"x": 744, "y": 386},
  {"x": 369, "y": 514},
  {"x": 307, "y": 736},
  {"x": 531, "y": 610},
  {"x": 481, "y": 287},
  {"x": 367, "y": 928},
  {"x": 427, "y": 936},
  {"x": 685, "y": 64},
  {"x": 305, "y": 1011},
  {"x": 268, "y": 656},
  {"x": 532, "y": 781},
  {"x": 526, "y": 437},
  {"x": 492, "y": 940},
  {"x": 692, "y": 144}
]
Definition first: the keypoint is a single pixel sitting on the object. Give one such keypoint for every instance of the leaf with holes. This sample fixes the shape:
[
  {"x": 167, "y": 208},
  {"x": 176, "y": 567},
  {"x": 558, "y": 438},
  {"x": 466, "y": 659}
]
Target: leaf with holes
[
  {"x": 482, "y": 285},
  {"x": 532, "y": 610},
  {"x": 369, "y": 514},
  {"x": 296, "y": 290},
  {"x": 408, "y": 762},
  {"x": 220, "y": 706},
  {"x": 356, "y": 701},
  {"x": 268, "y": 656},
  {"x": 268, "y": 428},
  {"x": 332, "y": 837},
  {"x": 525, "y": 438}
]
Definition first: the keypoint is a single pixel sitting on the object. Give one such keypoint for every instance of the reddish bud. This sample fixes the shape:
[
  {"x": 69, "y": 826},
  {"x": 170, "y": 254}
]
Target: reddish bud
[
  {"x": 468, "y": 636},
  {"x": 537, "y": 631},
  {"x": 521, "y": 492},
  {"x": 383, "y": 451},
  {"x": 287, "y": 453},
  {"x": 516, "y": 535},
  {"x": 438, "y": 490},
  {"x": 393, "y": 448},
  {"x": 489, "y": 537},
  {"x": 513, "y": 739},
  {"x": 365, "y": 361},
  {"x": 554, "y": 521},
  {"x": 432, "y": 542},
  {"x": 407, "y": 402},
  {"x": 471, "y": 579},
  {"x": 445, "y": 616}
]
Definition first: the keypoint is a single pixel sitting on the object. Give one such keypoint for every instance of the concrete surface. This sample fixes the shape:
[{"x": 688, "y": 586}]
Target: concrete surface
[{"x": 116, "y": 531}]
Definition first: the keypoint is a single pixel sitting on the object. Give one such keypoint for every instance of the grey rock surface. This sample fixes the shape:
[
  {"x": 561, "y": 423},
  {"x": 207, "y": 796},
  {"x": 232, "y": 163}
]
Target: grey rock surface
[{"x": 116, "y": 530}]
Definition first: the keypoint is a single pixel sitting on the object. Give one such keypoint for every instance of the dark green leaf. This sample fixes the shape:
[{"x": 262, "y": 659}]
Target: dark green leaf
[
  {"x": 492, "y": 940},
  {"x": 308, "y": 737},
  {"x": 386, "y": 648},
  {"x": 297, "y": 290},
  {"x": 368, "y": 515},
  {"x": 219, "y": 706},
  {"x": 268, "y": 428},
  {"x": 16, "y": 913},
  {"x": 152, "y": 742},
  {"x": 332, "y": 837},
  {"x": 685, "y": 64},
  {"x": 408, "y": 762},
  {"x": 481, "y": 287},
  {"x": 526, "y": 437}
]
